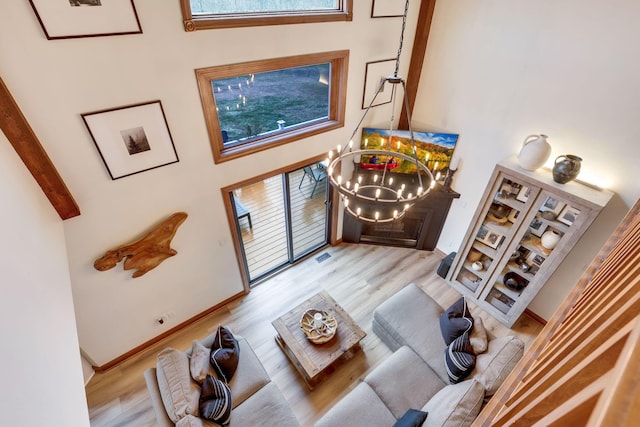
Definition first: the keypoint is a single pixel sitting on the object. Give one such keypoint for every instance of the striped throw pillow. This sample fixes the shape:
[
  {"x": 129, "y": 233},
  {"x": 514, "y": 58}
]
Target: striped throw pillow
[
  {"x": 459, "y": 358},
  {"x": 215, "y": 401}
]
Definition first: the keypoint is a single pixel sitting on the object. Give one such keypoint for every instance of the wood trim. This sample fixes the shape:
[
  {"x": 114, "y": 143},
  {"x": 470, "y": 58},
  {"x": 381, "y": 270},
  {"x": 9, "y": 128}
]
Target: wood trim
[
  {"x": 21, "y": 136},
  {"x": 120, "y": 359},
  {"x": 262, "y": 19},
  {"x": 338, "y": 92},
  {"x": 418, "y": 53},
  {"x": 535, "y": 316}
]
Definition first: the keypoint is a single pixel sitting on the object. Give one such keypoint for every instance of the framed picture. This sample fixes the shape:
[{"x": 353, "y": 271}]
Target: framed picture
[
  {"x": 551, "y": 205},
  {"x": 132, "y": 139},
  {"x": 374, "y": 75},
  {"x": 523, "y": 194},
  {"x": 489, "y": 237},
  {"x": 537, "y": 227},
  {"x": 536, "y": 259},
  {"x": 64, "y": 19},
  {"x": 568, "y": 215},
  {"x": 387, "y": 8},
  {"x": 513, "y": 215},
  {"x": 509, "y": 189}
]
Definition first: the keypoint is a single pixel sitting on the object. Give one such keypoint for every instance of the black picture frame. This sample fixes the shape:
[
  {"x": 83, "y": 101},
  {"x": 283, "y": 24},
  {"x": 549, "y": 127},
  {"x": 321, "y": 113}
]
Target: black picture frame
[{"x": 132, "y": 139}]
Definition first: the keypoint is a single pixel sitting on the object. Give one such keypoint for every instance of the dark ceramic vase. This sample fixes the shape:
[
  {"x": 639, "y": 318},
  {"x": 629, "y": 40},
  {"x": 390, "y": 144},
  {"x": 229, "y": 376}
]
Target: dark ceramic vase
[{"x": 566, "y": 168}]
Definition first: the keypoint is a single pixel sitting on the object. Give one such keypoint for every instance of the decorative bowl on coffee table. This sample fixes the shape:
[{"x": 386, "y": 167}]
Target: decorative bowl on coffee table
[{"x": 322, "y": 334}]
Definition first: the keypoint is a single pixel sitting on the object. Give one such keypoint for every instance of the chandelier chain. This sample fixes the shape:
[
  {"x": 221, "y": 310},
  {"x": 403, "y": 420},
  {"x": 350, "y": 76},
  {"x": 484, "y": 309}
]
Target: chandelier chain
[{"x": 404, "y": 23}]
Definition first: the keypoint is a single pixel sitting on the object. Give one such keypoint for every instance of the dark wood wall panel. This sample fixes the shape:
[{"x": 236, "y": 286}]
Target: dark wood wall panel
[{"x": 19, "y": 133}]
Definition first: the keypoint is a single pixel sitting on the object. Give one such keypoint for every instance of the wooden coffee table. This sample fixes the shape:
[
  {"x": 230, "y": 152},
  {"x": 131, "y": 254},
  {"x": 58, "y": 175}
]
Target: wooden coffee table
[{"x": 316, "y": 361}]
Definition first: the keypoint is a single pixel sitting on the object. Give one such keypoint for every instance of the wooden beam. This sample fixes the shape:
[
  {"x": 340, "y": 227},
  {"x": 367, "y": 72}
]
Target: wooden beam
[
  {"x": 417, "y": 57},
  {"x": 26, "y": 143}
]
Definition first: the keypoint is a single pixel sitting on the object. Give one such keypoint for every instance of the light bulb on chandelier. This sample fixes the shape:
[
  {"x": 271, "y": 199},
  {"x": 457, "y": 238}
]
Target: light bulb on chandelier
[{"x": 383, "y": 198}]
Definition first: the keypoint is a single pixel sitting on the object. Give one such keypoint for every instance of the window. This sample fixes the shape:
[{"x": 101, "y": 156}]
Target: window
[
  {"x": 254, "y": 106},
  {"x": 209, "y": 14}
]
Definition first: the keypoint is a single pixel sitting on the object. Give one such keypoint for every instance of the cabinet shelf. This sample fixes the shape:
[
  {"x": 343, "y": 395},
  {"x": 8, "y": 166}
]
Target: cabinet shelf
[{"x": 529, "y": 194}]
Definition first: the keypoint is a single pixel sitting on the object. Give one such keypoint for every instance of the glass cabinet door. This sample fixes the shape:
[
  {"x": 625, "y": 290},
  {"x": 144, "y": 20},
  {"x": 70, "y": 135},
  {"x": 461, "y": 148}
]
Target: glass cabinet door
[
  {"x": 535, "y": 245},
  {"x": 500, "y": 221}
]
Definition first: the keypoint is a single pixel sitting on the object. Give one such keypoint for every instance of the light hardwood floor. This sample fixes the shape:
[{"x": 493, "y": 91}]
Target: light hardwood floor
[{"x": 357, "y": 276}]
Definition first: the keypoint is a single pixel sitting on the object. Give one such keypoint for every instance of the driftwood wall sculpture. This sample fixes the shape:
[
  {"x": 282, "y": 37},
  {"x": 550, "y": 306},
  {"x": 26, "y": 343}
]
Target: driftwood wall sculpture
[{"x": 146, "y": 253}]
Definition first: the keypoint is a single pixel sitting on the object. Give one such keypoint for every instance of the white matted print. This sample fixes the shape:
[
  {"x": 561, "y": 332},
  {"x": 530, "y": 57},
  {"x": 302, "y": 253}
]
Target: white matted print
[
  {"x": 61, "y": 19},
  {"x": 387, "y": 8},
  {"x": 132, "y": 139},
  {"x": 568, "y": 215},
  {"x": 537, "y": 227},
  {"x": 523, "y": 194},
  {"x": 374, "y": 75},
  {"x": 552, "y": 205},
  {"x": 489, "y": 237}
]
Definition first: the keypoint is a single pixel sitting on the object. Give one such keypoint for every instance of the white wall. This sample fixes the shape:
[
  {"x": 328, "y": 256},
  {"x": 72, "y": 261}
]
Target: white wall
[
  {"x": 39, "y": 362},
  {"x": 497, "y": 71},
  {"x": 55, "y": 81}
]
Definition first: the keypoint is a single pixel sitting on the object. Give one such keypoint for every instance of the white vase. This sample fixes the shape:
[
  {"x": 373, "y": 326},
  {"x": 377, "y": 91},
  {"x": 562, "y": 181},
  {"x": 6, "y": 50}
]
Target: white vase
[
  {"x": 550, "y": 239},
  {"x": 535, "y": 152}
]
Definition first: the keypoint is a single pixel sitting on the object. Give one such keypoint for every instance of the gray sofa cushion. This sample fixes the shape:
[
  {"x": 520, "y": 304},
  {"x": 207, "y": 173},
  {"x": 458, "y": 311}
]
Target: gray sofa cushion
[
  {"x": 493, "y": 366},
  {"x": 248, "y": 379},
  {"x": 403, "y": 381},
  {"x": 360, "y": 408},
  {"x": 191, "y": 421},
  {"x": 266, "y": 407},
  {"x": 411, "y": 317},
  {"x": 250, "y": 375},
  {"x": 179, "y": 392},
  {"x": 455, "y": 405}
]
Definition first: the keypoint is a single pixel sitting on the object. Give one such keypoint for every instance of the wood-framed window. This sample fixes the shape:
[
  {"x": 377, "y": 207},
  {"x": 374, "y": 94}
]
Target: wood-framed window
[
  {"x": 253, "y": 106},
  {"x": 211, "y": 14}
]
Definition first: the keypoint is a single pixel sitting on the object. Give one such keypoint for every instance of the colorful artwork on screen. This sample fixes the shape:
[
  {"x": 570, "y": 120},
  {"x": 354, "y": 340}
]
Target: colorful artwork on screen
[{"x": 435, "y": 150}]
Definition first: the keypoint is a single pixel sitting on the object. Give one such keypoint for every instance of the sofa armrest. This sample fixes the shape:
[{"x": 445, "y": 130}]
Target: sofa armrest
[
  {"x": 411, "y": 317},
  {"x": 156, "y": 399}
]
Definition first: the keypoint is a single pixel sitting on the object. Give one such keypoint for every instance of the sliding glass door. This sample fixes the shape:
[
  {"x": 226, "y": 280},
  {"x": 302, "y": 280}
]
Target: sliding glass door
[{"x": 280, "y": 219}]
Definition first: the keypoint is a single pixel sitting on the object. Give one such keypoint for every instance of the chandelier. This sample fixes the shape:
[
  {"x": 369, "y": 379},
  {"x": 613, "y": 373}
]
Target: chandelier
[{"x": 381, "y": 196}]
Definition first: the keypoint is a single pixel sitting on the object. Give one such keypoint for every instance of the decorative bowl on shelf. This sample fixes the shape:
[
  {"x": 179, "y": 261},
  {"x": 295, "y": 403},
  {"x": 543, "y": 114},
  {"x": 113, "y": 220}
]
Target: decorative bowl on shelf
[
  {"x": 514, "y": 281},
  {"x": 319, "y": 326}
]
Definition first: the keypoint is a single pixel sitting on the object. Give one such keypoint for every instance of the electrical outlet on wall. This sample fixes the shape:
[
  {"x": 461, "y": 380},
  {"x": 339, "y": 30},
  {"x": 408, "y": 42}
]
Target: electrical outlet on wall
[{"x": 163, "y": 319}]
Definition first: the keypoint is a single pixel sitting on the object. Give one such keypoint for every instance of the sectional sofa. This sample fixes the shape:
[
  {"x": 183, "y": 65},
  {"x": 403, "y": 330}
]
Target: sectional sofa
[{"x": 415, "y": 375}]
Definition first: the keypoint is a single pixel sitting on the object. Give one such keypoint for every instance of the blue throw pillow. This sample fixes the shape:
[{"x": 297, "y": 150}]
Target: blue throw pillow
[
  {"x": 455, "y": 321},
  {"x": 411, "y": 418},
  {"x": 225, "y": 354}
]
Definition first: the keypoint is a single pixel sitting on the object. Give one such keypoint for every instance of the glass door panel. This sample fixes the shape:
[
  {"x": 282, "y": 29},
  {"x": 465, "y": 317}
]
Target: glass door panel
[
  {"x": 308, "y": 193},
  {"x": 498, "y": 225},
  {"x": 263, "y": 229}
]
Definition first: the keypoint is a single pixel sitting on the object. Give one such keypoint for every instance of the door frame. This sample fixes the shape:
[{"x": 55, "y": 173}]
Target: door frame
[{"x": 226, "y": 199}]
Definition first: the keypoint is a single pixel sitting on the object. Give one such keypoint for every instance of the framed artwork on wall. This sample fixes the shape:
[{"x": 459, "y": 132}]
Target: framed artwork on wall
[
  {"x": 387, "y": 8},
  {"x": 64, "y": 19},
  {"x": 374, "y": 74},
  {"x": 132, "y": 139}
]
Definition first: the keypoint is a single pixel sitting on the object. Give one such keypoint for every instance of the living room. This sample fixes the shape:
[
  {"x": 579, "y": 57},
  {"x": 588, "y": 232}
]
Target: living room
[{"x": 492, "y": 74}]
